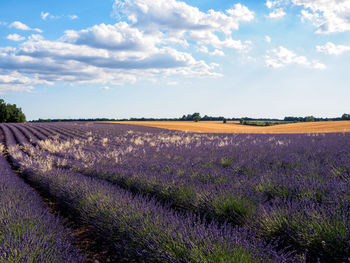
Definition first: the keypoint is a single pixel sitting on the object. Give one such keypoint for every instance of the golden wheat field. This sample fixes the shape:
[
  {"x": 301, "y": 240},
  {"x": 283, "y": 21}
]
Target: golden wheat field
[{"x": 235, "y": 127}]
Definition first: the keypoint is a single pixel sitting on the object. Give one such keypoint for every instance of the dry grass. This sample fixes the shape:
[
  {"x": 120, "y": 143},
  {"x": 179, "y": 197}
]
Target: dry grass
[{"x": 235, "y": 127}]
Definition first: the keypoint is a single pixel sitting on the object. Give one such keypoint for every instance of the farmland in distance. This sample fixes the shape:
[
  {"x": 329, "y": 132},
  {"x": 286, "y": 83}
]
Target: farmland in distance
[{"x": 235, "y": 127}]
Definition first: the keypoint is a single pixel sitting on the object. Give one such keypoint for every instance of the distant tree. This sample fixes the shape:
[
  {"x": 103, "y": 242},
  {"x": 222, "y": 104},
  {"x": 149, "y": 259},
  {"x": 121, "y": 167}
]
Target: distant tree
[
  {"x": 290, "y": 118},
  {"x": 224, "y": 120},
  {"x": 242, "y": 121},
  {"x": 310, "y": 118},
  {"x": 10, "y": 113},
  {"x": 3, "y": 111},
  {"x": 206, "y": 118},
  {"x": 345, "y": 116},
  {"x": 197, "y": 118}
]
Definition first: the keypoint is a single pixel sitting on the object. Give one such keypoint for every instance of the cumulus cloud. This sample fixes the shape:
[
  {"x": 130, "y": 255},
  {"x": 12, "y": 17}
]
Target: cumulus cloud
[
  {"x": 113, "y": 37},
  {"x": 19, "y": 25},
  {"x": 329, "y": 16},
  {"x": 31, "y": 53},
  {"x": 106, "y": 88},
  {"x": 152, "y": 42},
  {"x": 176, "y": 15},
  {"x": 36, "y": 37},
  {"x": 15, "y": 37},
  {"x": 209, "y": 38},
  {"x": 277, "y": 13},
  {"x": 216, "y": 52},
  {"x": 281, "y": 57},
  {"x": 86, "y": 57},
  {"x": 186, "y": 22},
  {"x": 272, "y": 4},
  {"x": 332, "y": 49},
  {"x": 12, "y": 80},
  {"x": 267, "y": 39}
]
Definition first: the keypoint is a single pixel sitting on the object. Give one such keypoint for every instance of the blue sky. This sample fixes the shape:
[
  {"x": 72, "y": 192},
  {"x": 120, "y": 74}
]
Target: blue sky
[{"x": 166, "y": 58}]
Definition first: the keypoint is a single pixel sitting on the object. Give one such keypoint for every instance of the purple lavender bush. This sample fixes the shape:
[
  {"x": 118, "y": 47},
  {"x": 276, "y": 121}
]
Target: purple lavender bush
[
  {"x": 144, "y": 227},
  {"x": 28, "y": 232},
  {"x": 290, "y": 190}
]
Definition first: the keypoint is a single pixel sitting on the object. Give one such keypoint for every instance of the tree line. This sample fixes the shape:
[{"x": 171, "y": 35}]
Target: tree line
[
  {"x": 197, "y": 117},
  {"x": 11, "y": 113}
]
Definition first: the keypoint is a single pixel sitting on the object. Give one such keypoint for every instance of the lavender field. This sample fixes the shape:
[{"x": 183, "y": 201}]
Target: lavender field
[{"x": 153, "y": 195}]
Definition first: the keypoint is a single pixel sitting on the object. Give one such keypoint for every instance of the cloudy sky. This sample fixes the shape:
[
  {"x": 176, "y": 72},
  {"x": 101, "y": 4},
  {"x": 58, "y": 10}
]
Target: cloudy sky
[{"x": 166, "y": 58}]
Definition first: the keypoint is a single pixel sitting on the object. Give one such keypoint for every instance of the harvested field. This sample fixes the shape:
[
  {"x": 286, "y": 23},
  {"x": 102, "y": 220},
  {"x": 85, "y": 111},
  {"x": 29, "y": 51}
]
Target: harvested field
[{"x": 235, "y": 127}]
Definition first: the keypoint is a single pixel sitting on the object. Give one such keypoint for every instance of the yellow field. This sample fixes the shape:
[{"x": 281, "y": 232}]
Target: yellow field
[{"x": 235, "y": 127}]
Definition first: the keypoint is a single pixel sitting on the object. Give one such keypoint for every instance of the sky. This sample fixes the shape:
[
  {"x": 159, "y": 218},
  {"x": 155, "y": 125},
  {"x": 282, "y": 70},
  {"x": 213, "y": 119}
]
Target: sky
[{"x": 167, "y": 58}]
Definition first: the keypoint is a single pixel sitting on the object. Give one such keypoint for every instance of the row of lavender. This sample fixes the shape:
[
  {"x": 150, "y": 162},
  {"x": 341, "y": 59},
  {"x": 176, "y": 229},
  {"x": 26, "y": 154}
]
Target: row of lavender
[
  {"x": 324, "y": 232},
  {"x": 293, "y": 189},
  {"x": 138, "y": 224},
  {"x": 28, "y": 232}
]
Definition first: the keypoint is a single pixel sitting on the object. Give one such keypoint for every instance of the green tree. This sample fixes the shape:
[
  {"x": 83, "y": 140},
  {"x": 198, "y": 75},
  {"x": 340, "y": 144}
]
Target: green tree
[
  {"x": 345, "y": 116},
  {"x": 3, "y": 111},
  {"x": 309, "y": 118},
  {"x": 10, "y": 113},
  {"x": 197, "y": 118}
]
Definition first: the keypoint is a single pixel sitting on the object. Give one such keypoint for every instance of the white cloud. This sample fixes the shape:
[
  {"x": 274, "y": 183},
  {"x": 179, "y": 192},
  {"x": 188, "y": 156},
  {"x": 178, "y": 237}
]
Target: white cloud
[
  {"x": 185, "y": 22},
  {"x": 172, "y": 83},
  {"x": 36, "y": 37},
  {"x": 270, "y": 4},
  {"x": 267, "y": 39},
  {"x": 277, "y": 13},
  {"x": 175, "y": 40},
  {"x": 143, "y": 48},
  {"x": 209, "y": 38},
  {"x": 329, "y": 16},
  {"x": 332, "y": 49},
  {"x": 216, "y": 52},
  {"x": 47, "y": 15},
  {"x": 44, "y": 15},
  {"x": 19, "y": 25},
  {"x": 176, "y": 15},
  {"x": 14, "y": 87},
  {"x": 113, "y": 37},
  {"x": 15, "y": 37},
  {"x": 281, "y": 57},
  {"x": 73, "y": 17},
  {"x": 240, "y": 13},
  {"x": 12, "y": 80},
  {"x": 93, "y": 60},
  {"x": 106, "y": 88}
]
